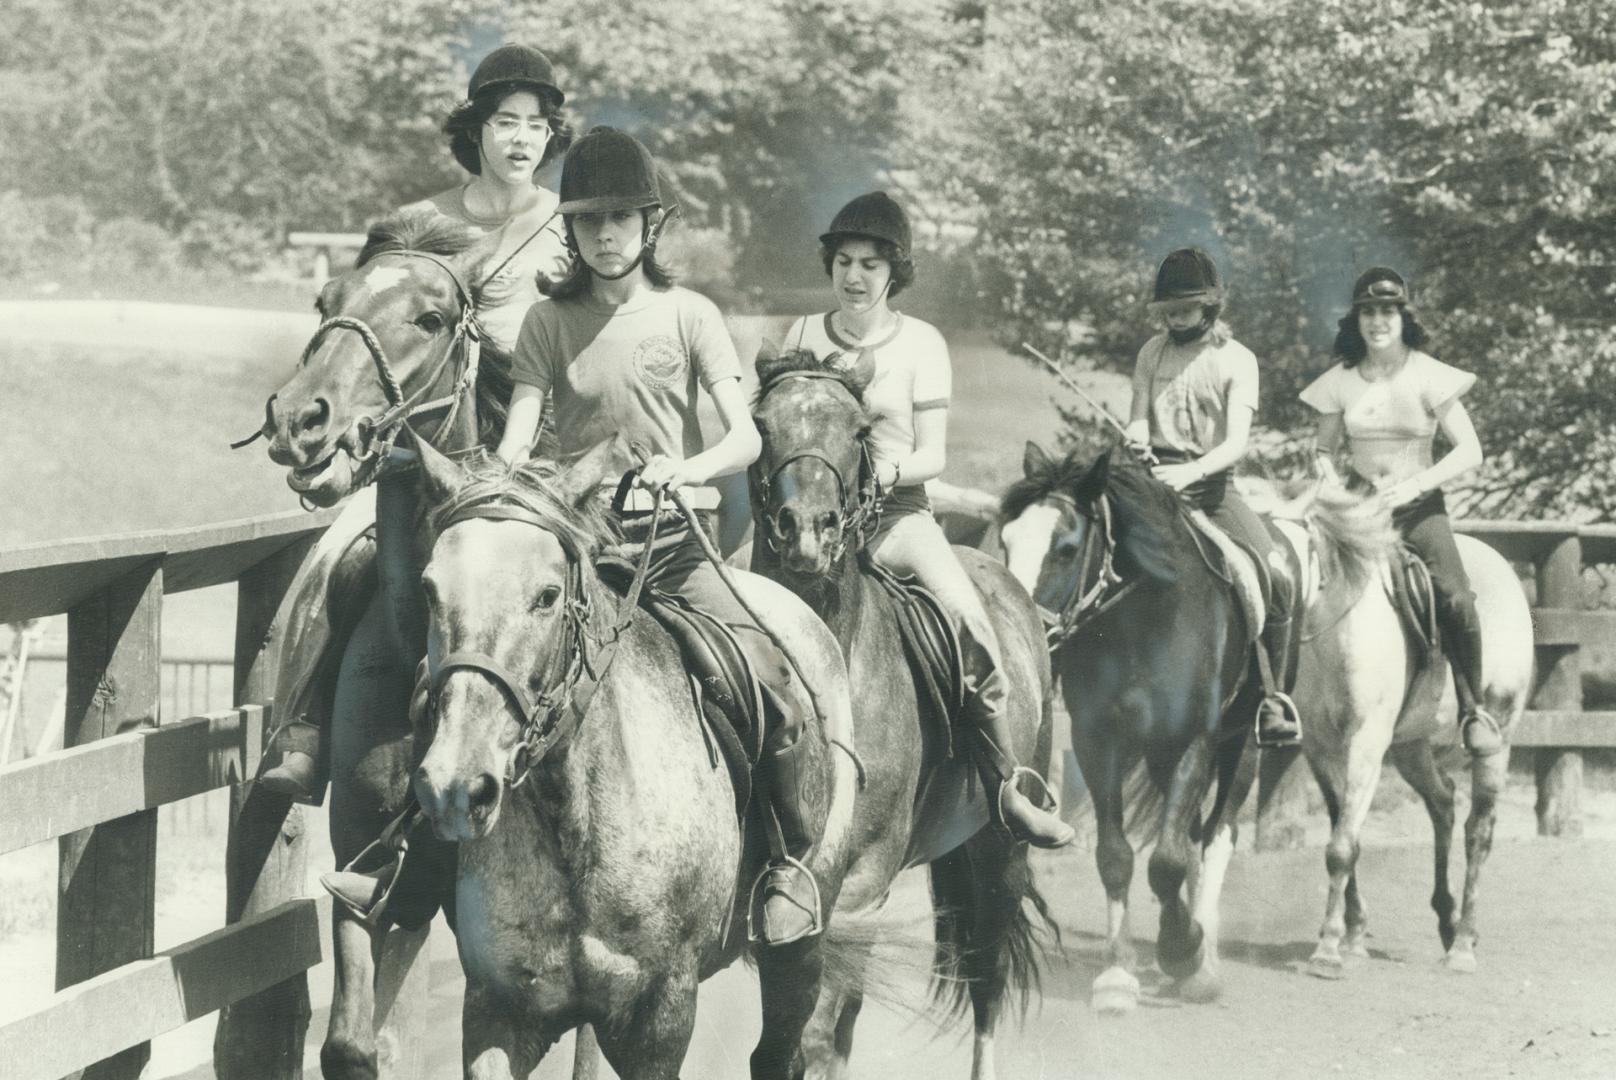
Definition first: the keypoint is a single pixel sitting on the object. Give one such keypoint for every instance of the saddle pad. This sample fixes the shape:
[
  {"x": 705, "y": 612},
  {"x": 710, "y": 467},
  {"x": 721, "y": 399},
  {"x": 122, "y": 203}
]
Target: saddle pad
[
  {"x": 719, "y": 666},
  {"x": 1242, "y": 568},
  {"x": 931, "y": 644}
]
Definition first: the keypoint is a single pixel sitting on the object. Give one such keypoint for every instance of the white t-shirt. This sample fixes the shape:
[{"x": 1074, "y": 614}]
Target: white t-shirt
[
  {"x": 1192, "y": 389},
  {"x": 1390, "y": 423},
  {"x": 911, "y": 374}
]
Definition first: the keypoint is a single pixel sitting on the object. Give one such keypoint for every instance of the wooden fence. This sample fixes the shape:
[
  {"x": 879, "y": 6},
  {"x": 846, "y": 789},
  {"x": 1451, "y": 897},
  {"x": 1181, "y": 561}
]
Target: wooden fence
[
  {"x": 98, "y": 797},
  {"x": 1555, "y": 729}
]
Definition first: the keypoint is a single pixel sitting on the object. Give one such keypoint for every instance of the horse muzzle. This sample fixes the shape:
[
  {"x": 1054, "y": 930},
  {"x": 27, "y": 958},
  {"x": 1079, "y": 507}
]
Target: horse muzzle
[{"x": 462, "y": 805}]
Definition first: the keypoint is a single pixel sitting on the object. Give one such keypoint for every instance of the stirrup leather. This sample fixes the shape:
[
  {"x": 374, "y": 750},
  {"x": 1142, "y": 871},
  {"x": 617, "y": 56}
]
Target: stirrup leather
[{"x": 816, "y": 924}]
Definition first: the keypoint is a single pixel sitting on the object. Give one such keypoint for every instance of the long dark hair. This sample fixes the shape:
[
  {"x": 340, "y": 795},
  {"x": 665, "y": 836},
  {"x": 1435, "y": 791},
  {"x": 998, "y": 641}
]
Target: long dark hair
[
  {"x": 576, "y": 282},
  {"x": 464, "y": 126},
  {"x": 1351, "y": 348}
]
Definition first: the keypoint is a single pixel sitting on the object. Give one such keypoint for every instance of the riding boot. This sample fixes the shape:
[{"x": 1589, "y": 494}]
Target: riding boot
[
  {"x": 789, "y": 907},
  {"x": 293, "y": 768},
  {"x": 1279, "y": 723},
  {"x": 1478, "y": 728},
  {"x": 985, "y": 712},
  {"x": 365, "y": 886}
]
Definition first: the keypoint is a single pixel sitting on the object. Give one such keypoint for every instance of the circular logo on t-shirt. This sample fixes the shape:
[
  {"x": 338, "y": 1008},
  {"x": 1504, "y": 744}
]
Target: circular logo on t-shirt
[{"x": 660, "y": 361}]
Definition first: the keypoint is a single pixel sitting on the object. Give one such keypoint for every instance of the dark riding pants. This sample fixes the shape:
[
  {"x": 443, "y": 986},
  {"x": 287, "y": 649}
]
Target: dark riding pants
[{"x": 1425, "y": 527}]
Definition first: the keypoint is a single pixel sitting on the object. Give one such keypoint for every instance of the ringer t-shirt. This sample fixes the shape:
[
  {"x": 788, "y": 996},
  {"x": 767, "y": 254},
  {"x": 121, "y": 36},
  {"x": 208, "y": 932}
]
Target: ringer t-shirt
[
  {"x": 911, "y": 374},
  {"x": 1390, "y": 423},
  {"x": 508, "y": 294},
  {"x": 633, "y": 368},
  {"x": 1192, "y": 389}
]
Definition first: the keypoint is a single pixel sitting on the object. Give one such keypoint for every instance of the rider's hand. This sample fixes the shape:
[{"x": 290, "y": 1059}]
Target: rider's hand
[
  {"x": 1400, "y": 494},
  {"x": 1178, "y": 477},
  {"x": 663, "y": 472}
]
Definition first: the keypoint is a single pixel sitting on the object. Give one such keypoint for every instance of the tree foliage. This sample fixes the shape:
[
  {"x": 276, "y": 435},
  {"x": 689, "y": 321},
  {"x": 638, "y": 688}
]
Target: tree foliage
[{"x": 1466, "y": 143}]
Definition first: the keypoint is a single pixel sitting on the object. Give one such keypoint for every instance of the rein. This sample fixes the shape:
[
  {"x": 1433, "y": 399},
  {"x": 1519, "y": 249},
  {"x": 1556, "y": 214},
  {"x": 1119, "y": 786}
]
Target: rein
[
  {"x": 1083, "y": 606},
  {"x": 860, "y": 509},
  {"x": 557, "y": 711}
]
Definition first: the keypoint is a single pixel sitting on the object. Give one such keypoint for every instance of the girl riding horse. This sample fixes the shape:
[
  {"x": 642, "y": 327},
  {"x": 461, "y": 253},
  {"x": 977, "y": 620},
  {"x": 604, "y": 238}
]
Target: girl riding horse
[
  {"x": 1383, "y": 403},
  {"x": 1194, "y": 397},
  {"x": 866, "y": 254},
  {"x": 509, "y": 126}
]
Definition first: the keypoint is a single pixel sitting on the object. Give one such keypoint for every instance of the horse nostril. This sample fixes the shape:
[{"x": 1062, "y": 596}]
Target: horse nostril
[
  {"x": 312, "y": 419},
  {"x": 785, "y": 522},
  {"x": 830, "y": 521},
  {"x": 482, "y": 792}
]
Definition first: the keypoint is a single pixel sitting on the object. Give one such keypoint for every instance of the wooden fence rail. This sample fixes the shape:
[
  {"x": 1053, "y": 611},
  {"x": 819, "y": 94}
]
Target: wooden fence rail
[{"x": 121, "y": 760}]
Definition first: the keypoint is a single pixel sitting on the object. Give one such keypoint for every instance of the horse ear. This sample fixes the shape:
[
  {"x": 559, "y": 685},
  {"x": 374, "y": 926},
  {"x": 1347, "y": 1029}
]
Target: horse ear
[
  {"x": 604, "y": 462},
  {"x": 441, "y": 478},
  {"x": 1035, "y": 461},
  {"x": 1093, "y": 484}
]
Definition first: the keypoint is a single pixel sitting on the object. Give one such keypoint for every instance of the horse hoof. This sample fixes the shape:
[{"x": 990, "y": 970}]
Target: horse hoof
[
  {"x": 1180, "y": 967},
  {"x": 1460, "y": 962},
  {"x": 1356, "y": 949},
  {"x": 1201, "y": 988},
  {"x": 1115, "y": 993},
  {"x": 1326, "y": 967}
]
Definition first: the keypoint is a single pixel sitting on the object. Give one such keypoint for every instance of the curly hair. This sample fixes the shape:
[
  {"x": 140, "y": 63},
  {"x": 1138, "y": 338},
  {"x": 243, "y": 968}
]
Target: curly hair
[
  {"x": 1350, "y": 347},
  {"x": 903, "y": 266},
  {"x": 464, "y": 126}
]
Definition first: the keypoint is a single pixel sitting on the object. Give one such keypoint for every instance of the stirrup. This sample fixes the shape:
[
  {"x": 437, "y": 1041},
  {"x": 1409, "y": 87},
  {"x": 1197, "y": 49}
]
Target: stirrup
[
  {"x": 1051, "y": 800},
  {"x": 1478, "y": 715},
  {"x": 373, "y": 917},
  {"x": 816, "y": 921},
  {"x": 1292, "y": 714}
]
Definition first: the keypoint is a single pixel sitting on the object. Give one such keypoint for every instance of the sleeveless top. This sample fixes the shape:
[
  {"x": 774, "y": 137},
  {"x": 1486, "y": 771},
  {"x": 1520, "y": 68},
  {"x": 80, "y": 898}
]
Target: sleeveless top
[{"x": 1390, "y": 423}]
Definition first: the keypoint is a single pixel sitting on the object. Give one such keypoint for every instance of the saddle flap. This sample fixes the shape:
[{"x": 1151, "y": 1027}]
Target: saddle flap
[
  {"x": 931, "y": 644},
  {"x": 1414, "y": 596},
  {"x": 1241, "y": 566}
]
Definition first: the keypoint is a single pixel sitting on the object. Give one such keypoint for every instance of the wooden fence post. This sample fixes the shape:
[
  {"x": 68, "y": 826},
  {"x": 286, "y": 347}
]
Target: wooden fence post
[
  {"x": 1558, "y": 769},
  {"x": 106, "y": 900},
  {"x": 266, "y": 862}
]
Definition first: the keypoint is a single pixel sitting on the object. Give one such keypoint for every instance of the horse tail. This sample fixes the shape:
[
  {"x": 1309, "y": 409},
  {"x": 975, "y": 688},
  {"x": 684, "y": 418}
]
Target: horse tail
[{"x": 875, "y": 954}]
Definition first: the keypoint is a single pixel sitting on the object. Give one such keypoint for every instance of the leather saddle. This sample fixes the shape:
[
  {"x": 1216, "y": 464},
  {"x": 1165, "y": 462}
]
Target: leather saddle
[{"x": 931, "y": 644}]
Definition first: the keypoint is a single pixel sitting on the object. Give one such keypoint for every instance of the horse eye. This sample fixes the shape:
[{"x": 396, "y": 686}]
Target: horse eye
[
  {"x": 547, "y": 599},
  {"x": 431, "y": 322}
]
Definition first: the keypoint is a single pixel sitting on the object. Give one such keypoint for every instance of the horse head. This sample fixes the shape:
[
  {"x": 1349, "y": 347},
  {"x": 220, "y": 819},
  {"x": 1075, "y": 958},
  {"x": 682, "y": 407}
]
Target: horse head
[
  {"x": 398, "y": 338},
  {"x": 813, "y": 486},
  {"x": 510, "y": 588},
  {"x": 1048, "y": 516}
]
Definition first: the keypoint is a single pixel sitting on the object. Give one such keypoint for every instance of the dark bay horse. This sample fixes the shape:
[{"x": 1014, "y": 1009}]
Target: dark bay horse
[
  {"x": 921, "y": 805},
  {"x": 398, "y": 339},
  {"x": 1154, "y": 668},
  {"x": 603, "y": 871}
]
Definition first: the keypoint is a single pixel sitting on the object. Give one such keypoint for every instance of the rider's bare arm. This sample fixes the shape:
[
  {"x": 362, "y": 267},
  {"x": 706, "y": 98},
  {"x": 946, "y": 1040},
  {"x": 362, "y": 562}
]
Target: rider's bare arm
[
  {"x": 1138, "y": 430},
  {"x": 929, "y": 457},
  {"x": 1327, "y": 440},
  {"x": 1465, "y": 455},
  {"x": 1228, "y": 452},
  {"x": 738, "y": 448},
  {"x": 521, "y": 423}
]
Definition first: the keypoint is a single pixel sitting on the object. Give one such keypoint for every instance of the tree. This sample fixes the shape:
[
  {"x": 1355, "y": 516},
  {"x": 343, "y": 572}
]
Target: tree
[{"x": 1464, "y": 143}]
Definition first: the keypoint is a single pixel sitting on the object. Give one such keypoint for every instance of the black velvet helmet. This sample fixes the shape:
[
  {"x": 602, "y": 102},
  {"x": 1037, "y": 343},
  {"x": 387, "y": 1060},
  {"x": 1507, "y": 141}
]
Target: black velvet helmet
[
  {"x": 608, "y": 170},
  {"x": 875, "y": 216},
  {"x": 1379, "y": 285},
  {"x": 515, "y": 67},
  {"x": 1188, "y": 274}
]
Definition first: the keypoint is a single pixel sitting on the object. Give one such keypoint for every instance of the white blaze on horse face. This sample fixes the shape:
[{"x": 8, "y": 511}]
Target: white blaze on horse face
[
  {"x": 1026, "y": 542},
  {"x": 379, "y": 279}
]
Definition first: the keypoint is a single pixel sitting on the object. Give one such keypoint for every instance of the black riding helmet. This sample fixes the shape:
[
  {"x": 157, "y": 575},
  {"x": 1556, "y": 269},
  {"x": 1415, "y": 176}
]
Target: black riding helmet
[
  {"x": 875, "y": 216},
  {"x": 515, "y": 67},
  {"x": 608, "y": 170},
  {"x": 1188, "y": 274}
]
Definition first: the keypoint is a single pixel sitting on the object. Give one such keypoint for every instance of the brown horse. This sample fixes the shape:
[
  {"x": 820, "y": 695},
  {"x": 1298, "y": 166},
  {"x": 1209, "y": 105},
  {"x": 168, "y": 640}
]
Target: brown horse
[
  {"x": 603, "y": 871},
  {"x": 922, "y": 804},
  {"x": 399, "y": 339}
]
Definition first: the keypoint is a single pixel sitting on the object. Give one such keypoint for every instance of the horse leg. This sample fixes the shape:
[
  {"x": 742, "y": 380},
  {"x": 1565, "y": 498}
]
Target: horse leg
[
  {"x": 495, "y": 1042},
  {"x": 789, "y": 978},
  {"x": 1416, "y": 761},
  {"x": 1348, "y": 802},
  {"x": 1179, "y": 938},
  {"x": 1116, "y": 989},
  {"x": 349, "y": 1051},
  {"x": 650, "y": 1039},
  {"x": 1487, "y": 776},
  {"x": 1236, "y": 773}
]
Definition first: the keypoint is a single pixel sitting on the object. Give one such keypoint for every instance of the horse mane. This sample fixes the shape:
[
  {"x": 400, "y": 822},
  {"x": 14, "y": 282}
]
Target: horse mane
[
  {"x": 582, "y": 529},
  {"x": 432, "y": 233},
  {"x": 838, "y": 367},
  {"x": 1354, "y": 533},
  {"x": 1153, "y": 533}
]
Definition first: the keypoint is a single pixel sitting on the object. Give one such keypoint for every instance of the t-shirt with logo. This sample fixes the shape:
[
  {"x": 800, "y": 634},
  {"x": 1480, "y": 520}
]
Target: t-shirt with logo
[
  {"x": 509, "y": 292},
  {"x": 1192, "y": 389},
  {"x": 1390, "y": 423},
  {"x": 911, "y": 373},
  {"x": 632, "y": 368}
]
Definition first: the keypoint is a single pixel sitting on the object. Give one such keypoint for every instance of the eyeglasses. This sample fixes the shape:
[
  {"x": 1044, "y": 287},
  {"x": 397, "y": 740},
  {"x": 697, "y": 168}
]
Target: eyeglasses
[
  {"x": 506, "y": 126},
  {"x": 1181, "y": 309}
]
